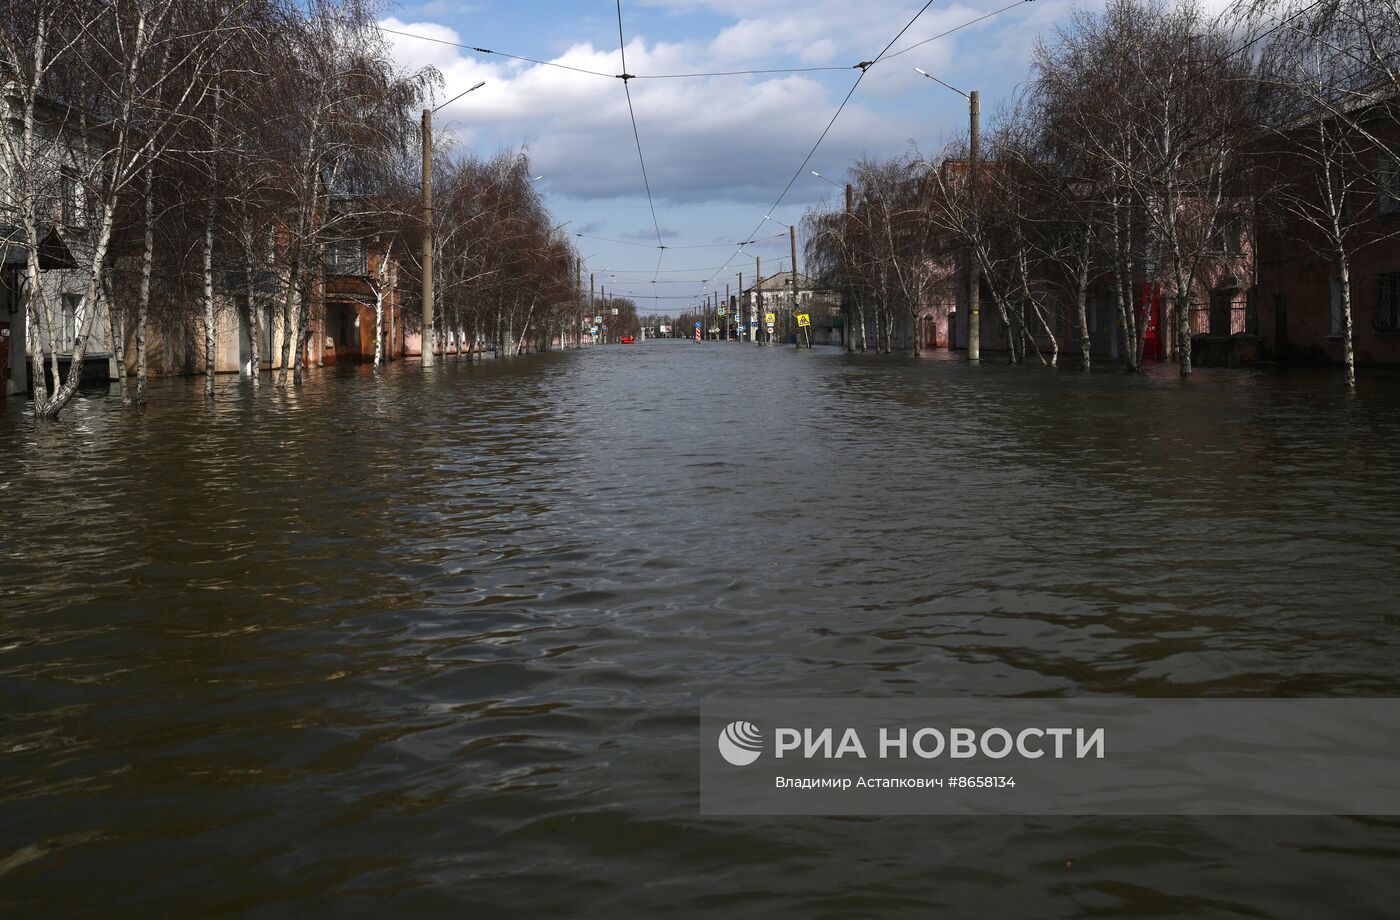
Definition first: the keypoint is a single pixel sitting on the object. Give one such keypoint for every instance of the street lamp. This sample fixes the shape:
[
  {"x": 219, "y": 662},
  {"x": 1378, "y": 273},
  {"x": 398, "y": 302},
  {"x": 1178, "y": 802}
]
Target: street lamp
[
  {"x": 560, "y": 227},
  {"x": 429, "y": 334},
  {"x": 974, "y": 274},
  {"x": 925, "y": 73}
]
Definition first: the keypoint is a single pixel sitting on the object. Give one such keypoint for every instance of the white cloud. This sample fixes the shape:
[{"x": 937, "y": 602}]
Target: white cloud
[
  {"x": 719, "y": 150},
  {"x": 723, "y": 138}
]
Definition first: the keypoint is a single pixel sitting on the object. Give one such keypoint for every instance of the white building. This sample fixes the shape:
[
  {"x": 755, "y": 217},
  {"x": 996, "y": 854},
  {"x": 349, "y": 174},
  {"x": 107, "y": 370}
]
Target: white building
[{"x": 773, "y": 294}]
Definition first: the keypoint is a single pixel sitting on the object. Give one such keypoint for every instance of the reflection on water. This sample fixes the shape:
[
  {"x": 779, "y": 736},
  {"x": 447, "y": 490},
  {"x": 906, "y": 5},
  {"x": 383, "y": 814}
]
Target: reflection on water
[{"x": 428, "y": 643}]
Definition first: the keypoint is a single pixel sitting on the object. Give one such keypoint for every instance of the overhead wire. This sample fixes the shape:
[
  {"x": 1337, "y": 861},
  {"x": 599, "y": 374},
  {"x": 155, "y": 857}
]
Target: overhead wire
[
  {"x": 864, "y": 69},
  {"x": 612, "y": 76},
  {"x": 504, "y": 54},
  {"x": 626, "y": 79},
  {"x": 637, "y": 136},
  {"x": 959, "y": 28},
  {"x": 606, "y": 239}
]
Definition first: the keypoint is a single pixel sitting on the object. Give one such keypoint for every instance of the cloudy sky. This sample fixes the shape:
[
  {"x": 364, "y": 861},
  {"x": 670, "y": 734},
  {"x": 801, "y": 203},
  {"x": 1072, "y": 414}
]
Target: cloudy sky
[{"x": 719, "y": 149}]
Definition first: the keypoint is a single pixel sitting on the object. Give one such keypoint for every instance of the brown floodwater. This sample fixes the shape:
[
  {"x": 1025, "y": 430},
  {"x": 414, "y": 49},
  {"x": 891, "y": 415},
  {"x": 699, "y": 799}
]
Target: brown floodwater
[{"x": 416, "y": 643}]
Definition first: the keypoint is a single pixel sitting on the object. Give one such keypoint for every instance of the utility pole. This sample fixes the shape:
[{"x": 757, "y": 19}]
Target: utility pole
[
  {"x": 727, "y": 307},
  {"x": 592, "y": 302},
  {"x": 758, "y": 295},
  {"x": 796, "y": 341},
  {"x": 974, "y": 273},
  {"x": 746, "y": 307},
  {"x": 428, "y": 335}
]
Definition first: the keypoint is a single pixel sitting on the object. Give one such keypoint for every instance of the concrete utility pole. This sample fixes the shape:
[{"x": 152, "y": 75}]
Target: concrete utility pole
[
  {"x": 796, "y": 339},
  {"x": 738, "y": 336},
  {"x": 428, "y": 335},
  {"x": 728, "y": 306},
  {"x": 592, "y": 308},
  {"x": 758, "y": 294},
  {"x": 974, "y": 272}
]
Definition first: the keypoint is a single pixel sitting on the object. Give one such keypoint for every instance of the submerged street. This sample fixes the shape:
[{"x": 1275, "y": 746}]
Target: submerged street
[{"x": 436, "y": 640}]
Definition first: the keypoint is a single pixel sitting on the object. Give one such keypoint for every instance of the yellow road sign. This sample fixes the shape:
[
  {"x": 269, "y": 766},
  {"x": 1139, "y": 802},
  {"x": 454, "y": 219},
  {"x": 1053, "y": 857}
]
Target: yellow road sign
[
  {"x": 804, "y": 319},
  {"x": 770, "y": 317}
]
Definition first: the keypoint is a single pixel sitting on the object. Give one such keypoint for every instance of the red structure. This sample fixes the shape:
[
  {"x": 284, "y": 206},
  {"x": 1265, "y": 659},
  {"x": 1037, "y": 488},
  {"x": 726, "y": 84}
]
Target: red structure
[{"x": 1150, "y": 312}]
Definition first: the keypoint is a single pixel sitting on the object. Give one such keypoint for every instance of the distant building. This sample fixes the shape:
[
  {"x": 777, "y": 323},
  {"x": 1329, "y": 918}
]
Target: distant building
[
  {"x": 1299, "y": 291},
  {"x": 66, "y": 233},
  {"x": 774, "y": 294}
]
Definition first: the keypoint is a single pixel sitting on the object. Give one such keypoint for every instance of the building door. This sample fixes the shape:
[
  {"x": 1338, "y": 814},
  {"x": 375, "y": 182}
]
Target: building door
[{"x": 1221, "y": 307}]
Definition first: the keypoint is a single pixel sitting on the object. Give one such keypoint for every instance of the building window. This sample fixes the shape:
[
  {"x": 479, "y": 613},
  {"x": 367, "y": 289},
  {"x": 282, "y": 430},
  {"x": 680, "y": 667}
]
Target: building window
[
  {"x": 1389, "y": 303},
  {"x": 72, "y": 198},
  {"x": 1388, "y": 185},
  {"x": 72, "y": 316},
  {"x": 346, "y": 257},
  {"x": 1230, "y": 234}
]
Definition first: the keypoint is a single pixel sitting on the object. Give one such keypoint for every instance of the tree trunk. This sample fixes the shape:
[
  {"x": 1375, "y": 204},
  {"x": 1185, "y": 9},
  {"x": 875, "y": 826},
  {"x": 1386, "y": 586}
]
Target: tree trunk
[
  {"x": 116, "y": 335},
  {"x": 1127, "y": 333},
  {"x": 1086, "y": 343},
  {"x": 303, "y": 328},
  {"x": 1183, "y": 324},
  {"x": 288, "y": 322},
  {"x": 379, "y": 292},
  {"x": 393, "y": 312},
  {"x": 254, "y": 310},
  {"x": 1348, "y": 349},
  {"x": 143, "y": 303},
  {"x": 209, "y": 329}
]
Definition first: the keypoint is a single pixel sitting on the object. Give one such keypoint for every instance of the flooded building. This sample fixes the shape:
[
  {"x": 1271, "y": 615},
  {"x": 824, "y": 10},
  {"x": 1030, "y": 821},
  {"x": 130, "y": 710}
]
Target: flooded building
[{"x": 1300, "y": 289}]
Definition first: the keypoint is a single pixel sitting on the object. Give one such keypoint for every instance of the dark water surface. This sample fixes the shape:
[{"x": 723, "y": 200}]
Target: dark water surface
[{"x": 417, "y": 644}]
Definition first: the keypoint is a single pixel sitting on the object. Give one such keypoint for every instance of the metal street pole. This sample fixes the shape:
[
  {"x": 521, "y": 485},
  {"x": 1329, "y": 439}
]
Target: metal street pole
[
  {"x": 428, "y": 334},
  {"x": 974, "y": 272},
  {"x": 758, "y": 295},
  {"x": 792, "y": 238},
  {"x": 738, "y": 300},
  {"x": 592, "y": 302}
]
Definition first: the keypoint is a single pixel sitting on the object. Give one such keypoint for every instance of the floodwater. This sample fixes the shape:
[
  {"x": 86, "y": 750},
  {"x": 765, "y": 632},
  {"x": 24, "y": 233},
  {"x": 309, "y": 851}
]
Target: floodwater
[{"x": 419, "y": 644}]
